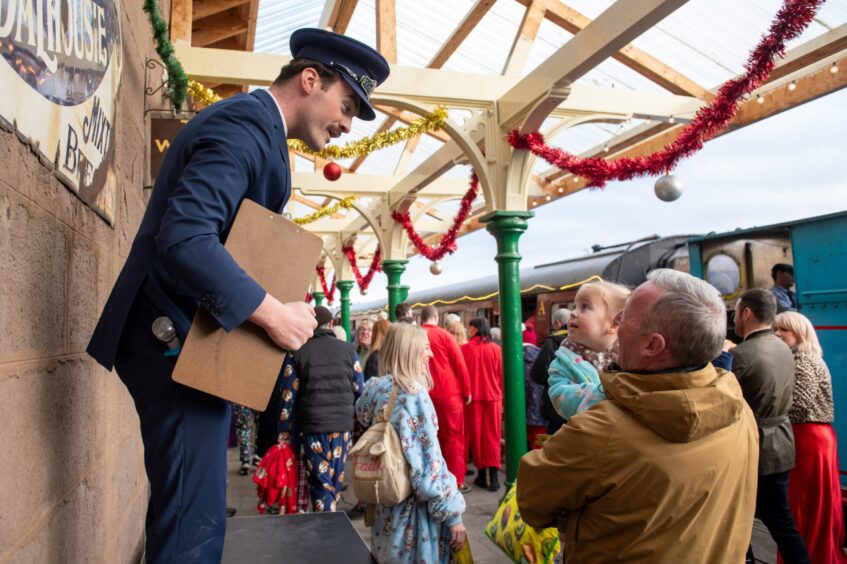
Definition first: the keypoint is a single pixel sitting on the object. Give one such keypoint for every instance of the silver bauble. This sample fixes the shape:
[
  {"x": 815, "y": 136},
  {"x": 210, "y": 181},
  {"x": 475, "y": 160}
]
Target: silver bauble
[
  {"x": 435, "y": 268},
  {"x": 364, "y": 292},
  {"x": 668, "y": 188}
]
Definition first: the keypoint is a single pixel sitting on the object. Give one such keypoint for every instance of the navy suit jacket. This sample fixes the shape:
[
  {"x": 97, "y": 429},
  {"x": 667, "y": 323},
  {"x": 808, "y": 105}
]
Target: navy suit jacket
[{"x": 233, "y": 150}]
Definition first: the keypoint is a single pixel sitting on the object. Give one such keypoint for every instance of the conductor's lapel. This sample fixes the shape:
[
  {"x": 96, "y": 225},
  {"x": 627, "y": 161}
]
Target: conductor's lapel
[{"x": 280, "y": 138}]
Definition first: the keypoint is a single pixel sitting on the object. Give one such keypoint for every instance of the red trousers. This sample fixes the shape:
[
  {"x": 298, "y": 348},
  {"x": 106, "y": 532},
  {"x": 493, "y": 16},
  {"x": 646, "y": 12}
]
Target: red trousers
[
  {"x": 485, "y": 420},
  {"x": 451, "y": 434},
  {"x": 814, "y": 493}
]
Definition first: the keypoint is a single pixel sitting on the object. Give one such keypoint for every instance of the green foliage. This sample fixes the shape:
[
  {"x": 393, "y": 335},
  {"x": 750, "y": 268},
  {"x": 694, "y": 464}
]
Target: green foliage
[{"x": 177, "y": 79}]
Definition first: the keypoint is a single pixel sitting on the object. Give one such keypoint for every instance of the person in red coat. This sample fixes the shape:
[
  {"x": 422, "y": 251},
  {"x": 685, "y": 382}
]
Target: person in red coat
[
  {"x": 483, "y": 416},
  {"x": 450, "y": 391}
]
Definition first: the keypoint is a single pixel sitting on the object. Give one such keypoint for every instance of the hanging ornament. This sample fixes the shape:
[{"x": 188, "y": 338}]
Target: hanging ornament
[
  {"x": 364, "y": 292},
  {"x": 790, "y": 21},
  {"x": 668, "y": 188},
  {"x": 332, "y": 171},
  {"x": 435, "y": 268}
]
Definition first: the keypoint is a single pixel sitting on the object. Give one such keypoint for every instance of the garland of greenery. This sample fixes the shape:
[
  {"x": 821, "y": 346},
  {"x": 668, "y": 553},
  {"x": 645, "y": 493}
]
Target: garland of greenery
[{"x": 177, "y": 79}]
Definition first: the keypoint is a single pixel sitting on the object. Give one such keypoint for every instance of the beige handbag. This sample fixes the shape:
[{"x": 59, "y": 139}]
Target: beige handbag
[{"x": 380, "y": 470}]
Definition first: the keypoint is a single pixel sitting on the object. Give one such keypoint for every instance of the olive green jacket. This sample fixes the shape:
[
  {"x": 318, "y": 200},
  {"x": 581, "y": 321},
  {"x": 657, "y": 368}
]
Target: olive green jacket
[
  {"x": 664, "y": 470},
  {"x": 764, "y": 366}
]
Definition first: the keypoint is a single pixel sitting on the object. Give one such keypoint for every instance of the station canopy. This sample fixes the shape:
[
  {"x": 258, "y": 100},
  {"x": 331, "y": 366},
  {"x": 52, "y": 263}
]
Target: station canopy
[{"x": 626, "y": 99}]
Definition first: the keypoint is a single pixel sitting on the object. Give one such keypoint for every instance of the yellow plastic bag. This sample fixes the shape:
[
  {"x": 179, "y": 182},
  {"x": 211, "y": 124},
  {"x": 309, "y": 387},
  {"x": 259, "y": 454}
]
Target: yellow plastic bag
[
  {"x": 520, "y": 542},
  {"x": 463, "y": 555}
]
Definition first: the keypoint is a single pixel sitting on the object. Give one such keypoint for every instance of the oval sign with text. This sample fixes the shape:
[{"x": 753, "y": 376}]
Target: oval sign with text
[
  {"x": 64, "y": 49},
  {"x": 60, "y": 89}
]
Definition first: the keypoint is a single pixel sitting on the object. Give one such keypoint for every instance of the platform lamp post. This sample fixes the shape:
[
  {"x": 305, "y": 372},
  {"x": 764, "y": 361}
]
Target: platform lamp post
[
  {"x": 344, "y": 287},
  {"x": 394, "y": 270},
  {"x": 507, "y": 227},
  {"x": 404, "y": 293},
  {"x": 318, "y": 297}
]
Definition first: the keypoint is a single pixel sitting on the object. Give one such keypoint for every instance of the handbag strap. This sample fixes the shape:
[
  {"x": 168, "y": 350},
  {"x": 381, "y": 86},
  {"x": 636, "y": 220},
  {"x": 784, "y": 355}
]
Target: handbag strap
[{"x": 389, "y": 407}]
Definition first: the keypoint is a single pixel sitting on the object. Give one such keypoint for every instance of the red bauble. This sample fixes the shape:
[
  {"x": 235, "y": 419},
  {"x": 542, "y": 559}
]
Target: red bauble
[{"x": 332, "y": 172}]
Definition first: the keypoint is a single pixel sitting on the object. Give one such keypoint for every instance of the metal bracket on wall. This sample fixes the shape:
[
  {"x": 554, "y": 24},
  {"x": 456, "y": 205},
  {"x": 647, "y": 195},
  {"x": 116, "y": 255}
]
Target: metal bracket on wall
[{"x": 151, "y": 89}]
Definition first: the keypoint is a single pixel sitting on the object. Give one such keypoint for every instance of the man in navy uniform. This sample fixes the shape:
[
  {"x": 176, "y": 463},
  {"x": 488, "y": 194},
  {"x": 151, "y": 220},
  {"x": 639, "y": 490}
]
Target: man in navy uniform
[{"x": 234, "y": 150}]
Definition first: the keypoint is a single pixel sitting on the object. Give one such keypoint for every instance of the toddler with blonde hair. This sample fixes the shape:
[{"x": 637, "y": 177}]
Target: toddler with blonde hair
[{"x": 591, "y": 345}]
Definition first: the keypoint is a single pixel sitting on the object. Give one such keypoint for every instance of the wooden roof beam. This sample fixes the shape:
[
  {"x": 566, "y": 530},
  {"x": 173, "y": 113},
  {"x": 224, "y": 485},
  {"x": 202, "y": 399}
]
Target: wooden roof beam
[
  {"x": 814, "y": 50},
  {"x": 371, "y": 185},
  {"x": 181, "y": 15},
  {"x": 337, "y": 15},
  {"x": 527, "y": 33},
  {"x": 649, "y": 139},
  {"x": 206, "y": 8},
  {"x": 252, "y": 13},
  {"x": 641, "y": 62},
  {"x": 217, "y": 28},
  {"x": 538, "y": 93},
  {"x": 386, "y": 30},
  {"x": 464, "y": 29}
]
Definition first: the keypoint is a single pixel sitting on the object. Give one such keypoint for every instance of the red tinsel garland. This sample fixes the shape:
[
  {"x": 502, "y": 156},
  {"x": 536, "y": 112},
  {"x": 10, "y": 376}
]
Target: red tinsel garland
[
  {"x": 790, "y": 21},
  {"x": 448, "y": 242},
  {"x": 308, "y": 297},
  {"x": 363, "y": 281},
  {"x": 329, "y": 293}
]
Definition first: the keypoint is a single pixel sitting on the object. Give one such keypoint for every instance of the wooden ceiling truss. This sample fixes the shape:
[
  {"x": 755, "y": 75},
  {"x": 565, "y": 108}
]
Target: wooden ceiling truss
[{"x": 497, "y": 103}]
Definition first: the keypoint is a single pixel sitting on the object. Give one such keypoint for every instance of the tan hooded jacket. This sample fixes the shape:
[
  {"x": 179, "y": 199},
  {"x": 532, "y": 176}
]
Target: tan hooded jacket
[{"x": 665, "y": 470}]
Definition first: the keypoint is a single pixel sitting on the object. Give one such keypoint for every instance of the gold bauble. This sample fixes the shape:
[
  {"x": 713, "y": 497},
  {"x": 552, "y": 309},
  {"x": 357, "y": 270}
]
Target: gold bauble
[{"x": 435, "y": 268}]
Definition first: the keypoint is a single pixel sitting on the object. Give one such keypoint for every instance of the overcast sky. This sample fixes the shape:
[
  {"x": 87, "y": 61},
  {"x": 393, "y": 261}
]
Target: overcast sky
[{"x": 790, "y": 166}]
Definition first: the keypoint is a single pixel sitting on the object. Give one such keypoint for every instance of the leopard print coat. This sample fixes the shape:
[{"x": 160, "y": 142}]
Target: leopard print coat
[{"x": 812, "y": 390}]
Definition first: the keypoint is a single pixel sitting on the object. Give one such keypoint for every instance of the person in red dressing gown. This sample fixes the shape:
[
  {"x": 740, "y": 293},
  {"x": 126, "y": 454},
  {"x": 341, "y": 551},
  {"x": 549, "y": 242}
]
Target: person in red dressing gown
[
  {"x": 484, "y": 414},
  {"x": 450, "y": 392}
]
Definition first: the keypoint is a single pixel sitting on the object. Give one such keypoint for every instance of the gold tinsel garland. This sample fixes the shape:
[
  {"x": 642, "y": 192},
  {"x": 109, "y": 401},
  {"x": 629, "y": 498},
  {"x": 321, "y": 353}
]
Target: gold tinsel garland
[
  {"x": 432, "y": 121},
  {"x": 346, "y": 203},
  {"x": 202, "y": 93}
]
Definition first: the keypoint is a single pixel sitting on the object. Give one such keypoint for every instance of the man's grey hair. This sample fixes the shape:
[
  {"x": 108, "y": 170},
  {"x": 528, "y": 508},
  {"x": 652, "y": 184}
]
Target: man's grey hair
[
  {"x": 561, "y": 316},
  {"x": 690, "y": 314}
]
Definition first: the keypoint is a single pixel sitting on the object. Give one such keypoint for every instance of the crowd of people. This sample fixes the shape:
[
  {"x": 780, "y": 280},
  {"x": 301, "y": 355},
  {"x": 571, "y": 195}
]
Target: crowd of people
[
  {"x": 662, "y": 440},
  {"x": 653, "y": 437}
]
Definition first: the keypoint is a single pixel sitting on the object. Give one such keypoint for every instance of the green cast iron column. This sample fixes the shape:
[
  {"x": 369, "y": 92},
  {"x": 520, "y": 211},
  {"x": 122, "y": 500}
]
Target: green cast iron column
[
  {"x": 404, "y": 293},
  {"x": 507, "y": 227},
  {"x": 394, "y": 270},
  {"x": 318, "y": 297},
  {"x": 344, "y": 287}
]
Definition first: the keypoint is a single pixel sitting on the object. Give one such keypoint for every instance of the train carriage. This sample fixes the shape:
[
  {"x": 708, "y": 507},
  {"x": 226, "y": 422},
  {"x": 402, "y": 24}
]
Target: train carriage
[
  {"x": 547, "y": 287},
  {"x": 738, "y": 260}
]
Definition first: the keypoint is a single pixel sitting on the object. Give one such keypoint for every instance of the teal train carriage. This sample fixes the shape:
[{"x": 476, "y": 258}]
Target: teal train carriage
[{"x": 817, "y": 247}]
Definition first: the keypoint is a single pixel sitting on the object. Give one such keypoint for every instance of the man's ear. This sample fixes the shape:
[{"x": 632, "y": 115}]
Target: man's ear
[
  {"x": 616, "y": 324},
  {"x": 309, "y": 80},
  {"x": 656, "y": 345}
]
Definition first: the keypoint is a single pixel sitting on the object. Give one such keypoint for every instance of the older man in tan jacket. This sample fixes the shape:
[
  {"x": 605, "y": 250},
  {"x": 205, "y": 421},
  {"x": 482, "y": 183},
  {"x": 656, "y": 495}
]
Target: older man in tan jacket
[{"x": 665, "y": 469}]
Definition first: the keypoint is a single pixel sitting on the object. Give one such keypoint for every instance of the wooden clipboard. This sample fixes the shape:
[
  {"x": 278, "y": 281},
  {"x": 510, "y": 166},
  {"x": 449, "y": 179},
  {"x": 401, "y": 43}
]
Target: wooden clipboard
[{"x": 242, "y": 366}]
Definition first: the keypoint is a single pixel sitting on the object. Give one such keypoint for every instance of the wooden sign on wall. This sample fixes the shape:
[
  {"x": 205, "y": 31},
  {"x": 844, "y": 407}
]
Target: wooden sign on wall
[{"x": 162, "y": 132}]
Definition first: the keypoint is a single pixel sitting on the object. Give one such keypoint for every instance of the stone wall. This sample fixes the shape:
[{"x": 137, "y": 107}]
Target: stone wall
[{"x": 72, "y": 479}]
